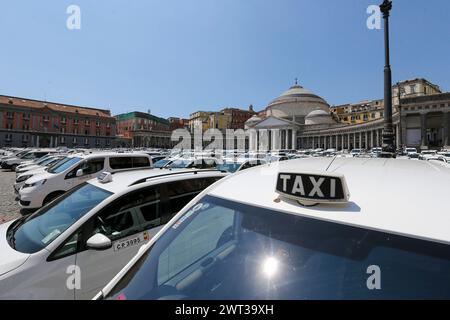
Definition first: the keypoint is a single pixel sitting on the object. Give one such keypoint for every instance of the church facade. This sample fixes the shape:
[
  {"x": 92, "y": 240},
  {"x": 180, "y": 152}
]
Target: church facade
[{"x": 300, "y": 119}]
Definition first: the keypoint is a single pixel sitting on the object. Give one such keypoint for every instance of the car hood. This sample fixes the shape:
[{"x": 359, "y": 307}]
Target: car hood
[
  {"x": 10, "y": 259},
  {"x": 30, "y": 167},
  {"x": 39, "y": 177},
  {"x": 32, "y": 172}
]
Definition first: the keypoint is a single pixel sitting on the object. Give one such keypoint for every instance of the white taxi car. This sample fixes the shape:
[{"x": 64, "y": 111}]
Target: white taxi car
[
  {"x": 328, "y": 228},
  {"x": 42, "y": 188},
  {"x": 92, "y": 231}
]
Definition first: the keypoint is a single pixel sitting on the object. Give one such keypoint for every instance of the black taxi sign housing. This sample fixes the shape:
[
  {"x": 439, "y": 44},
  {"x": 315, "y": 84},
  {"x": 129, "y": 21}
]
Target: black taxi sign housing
[{"x": 313, "y": 188}]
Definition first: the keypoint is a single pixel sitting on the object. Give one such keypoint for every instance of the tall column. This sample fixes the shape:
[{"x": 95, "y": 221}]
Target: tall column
[
  {"x": 445, "y": 139},
  {"x": 287, "y": 139},
  {"x": 354, "y": 140},
  {"x": 377, "y": 137},
  {"x": 369, "y": 133},
  {"x": 360, "y": 140},
  {"x": 397, "y": 135},
  {"x": 366, "y": 139},
  {"x": 294, "y": 139},
  {"x": 348, "y": 141},
  {"x": 423, "y": 129},
  {"x": 276, "y": 139}
]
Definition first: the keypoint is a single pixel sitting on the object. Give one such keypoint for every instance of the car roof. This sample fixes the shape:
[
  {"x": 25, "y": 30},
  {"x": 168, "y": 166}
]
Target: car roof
[
  {"x": 381, "y": 194},
  {"x": 125, "y": 179}
]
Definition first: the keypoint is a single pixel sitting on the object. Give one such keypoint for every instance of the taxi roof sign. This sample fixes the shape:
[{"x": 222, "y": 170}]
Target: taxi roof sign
[
  {"x": 313, "y": 188},
  {"x": 105, "y": 177}
]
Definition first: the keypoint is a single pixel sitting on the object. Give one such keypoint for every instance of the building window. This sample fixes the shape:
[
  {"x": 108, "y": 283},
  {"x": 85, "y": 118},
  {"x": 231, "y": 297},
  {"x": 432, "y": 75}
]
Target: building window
[
  {"x": 381, "y": 114},
  {"x": 75, "y": 121},
  {"x": 63, "y": 120},
  {"x": 97, "y": 123},
  {"x": 10, "y": 115},
  {"x": 412, "y": 89},
  {"x": 373, "y": 115},
  {"x": 26, "y": 127},
  {"x": 87, "y": 122},
  {"x": 108, "y": 125},
  {"x": 9, "y": 126},
  {"x": 26, "y": 116},
  {"x": 63, "y": 130},
  {"x": 97, "y": 132},
  {"x": 46, "y": 118},
  {"x": 86, "y": 132}
]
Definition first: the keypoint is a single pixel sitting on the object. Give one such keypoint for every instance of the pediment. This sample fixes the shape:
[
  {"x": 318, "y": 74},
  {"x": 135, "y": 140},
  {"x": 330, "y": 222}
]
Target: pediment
[{"x": 272, "y": 122}]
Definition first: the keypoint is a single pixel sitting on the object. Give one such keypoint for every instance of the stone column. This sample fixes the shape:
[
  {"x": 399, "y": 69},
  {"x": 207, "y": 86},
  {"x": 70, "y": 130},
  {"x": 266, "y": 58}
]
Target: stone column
[
  {"x": 360, "y": 140},
  {"x": 348, "y": 141},
  {"x": 445, "y": 139},
  {"x": 397, "y": 135},
  {"x": 377, "y": 137},
  {"x": 366, "y": 139},
  {"x": 276, "y": 139},
  {"x": 354, "y": 140},
  {"x": 294, "y": 139},
  {"x": 423, "y": 129},
  {"x": 287, "y": 139}
]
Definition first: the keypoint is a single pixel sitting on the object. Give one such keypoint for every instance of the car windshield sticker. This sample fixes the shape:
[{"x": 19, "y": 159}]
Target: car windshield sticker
[{"x": 52, "y": 235}]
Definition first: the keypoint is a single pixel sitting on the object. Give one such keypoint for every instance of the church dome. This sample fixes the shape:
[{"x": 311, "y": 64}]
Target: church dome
[
  {"x": 295, "y": 104},
  {"x": 318, "y": 117}
]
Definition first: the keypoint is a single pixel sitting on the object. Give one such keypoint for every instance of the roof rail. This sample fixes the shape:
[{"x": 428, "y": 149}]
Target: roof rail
[{"x": 174, "y": 173}]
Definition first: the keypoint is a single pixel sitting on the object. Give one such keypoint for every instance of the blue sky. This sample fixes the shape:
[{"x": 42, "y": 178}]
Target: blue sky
[{"x": 178, "y": 56}]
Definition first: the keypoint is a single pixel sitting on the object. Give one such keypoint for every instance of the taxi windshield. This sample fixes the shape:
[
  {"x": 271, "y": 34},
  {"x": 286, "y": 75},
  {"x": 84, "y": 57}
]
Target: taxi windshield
[
  {"x": 221, "y": 249},
  {"x": 63, "y": 165},
  {"x": 35, "y": 232}
]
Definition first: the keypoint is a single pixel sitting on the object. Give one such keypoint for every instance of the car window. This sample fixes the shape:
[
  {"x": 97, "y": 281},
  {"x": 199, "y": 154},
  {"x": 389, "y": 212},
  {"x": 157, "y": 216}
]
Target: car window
[
  {"x": 68, "y": 248},
  {"x": 93, "y": 166},
  {"x": 118, "y": 163},
  {"x": 115, "y": 225},
  {"x": 179, "y": 193},
  {"x": 41, "y": 228},
  {"x": 140, "y": 162}
]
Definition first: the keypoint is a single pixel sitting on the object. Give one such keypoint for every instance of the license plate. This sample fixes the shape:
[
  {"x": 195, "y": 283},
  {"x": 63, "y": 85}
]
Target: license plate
[{"x": 132, "y": 241}]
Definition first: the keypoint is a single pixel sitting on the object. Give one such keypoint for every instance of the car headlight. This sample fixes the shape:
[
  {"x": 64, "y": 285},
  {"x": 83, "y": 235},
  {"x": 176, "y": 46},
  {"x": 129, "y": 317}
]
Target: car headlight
[
  {"x": 36, "y": 184},
  {"x": 23, "y": 178}
]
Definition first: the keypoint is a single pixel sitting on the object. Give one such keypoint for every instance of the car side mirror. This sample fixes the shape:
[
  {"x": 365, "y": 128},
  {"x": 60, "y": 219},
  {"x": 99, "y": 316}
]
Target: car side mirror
[
  {"x": 79, "y": 172},
  {"x": 99, "y": 242}
]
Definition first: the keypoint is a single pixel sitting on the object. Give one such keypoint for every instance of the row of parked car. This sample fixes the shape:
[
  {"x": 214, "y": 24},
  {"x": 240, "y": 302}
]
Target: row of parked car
[{"x": 94, "y": 210}]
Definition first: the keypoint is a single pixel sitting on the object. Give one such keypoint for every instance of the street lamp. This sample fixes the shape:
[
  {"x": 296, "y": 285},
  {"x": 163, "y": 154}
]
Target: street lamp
[
  {"x": 388, "y": 130},
  {"x": 400, "y": 91}
]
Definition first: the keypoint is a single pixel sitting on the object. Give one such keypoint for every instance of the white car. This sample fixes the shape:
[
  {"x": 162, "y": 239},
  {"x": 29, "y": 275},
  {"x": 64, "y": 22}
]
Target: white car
[
  {"x": 46, "y": 186},
  {"x": 303, "y": 229},
  {"x": 239, "y": 164},
  {"x": 13, "y": 162},
  {"x": 427, "y": 154},
  {"x": 21, "y": 177},
  {"x": 93, "y": 230},
  {"x": 40, "y": 163}
]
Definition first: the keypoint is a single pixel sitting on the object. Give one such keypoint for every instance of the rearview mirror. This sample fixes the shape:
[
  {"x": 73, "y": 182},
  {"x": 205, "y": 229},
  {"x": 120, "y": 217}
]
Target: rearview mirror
[
  {"x": 99, "y": 242},
  {"x": 79, "y": 172}
]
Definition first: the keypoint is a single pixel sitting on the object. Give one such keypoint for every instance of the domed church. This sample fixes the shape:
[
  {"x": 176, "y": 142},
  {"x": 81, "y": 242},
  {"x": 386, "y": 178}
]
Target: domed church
[{"x": 295, "y": 110}]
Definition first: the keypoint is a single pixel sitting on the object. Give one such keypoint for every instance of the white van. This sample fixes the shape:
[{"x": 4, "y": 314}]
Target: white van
[{"x": 76, "y": 169}]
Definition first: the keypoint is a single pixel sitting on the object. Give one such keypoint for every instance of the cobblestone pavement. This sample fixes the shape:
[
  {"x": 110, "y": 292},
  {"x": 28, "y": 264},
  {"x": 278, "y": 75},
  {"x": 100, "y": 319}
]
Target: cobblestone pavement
[{"x": 9, "y": 209}]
